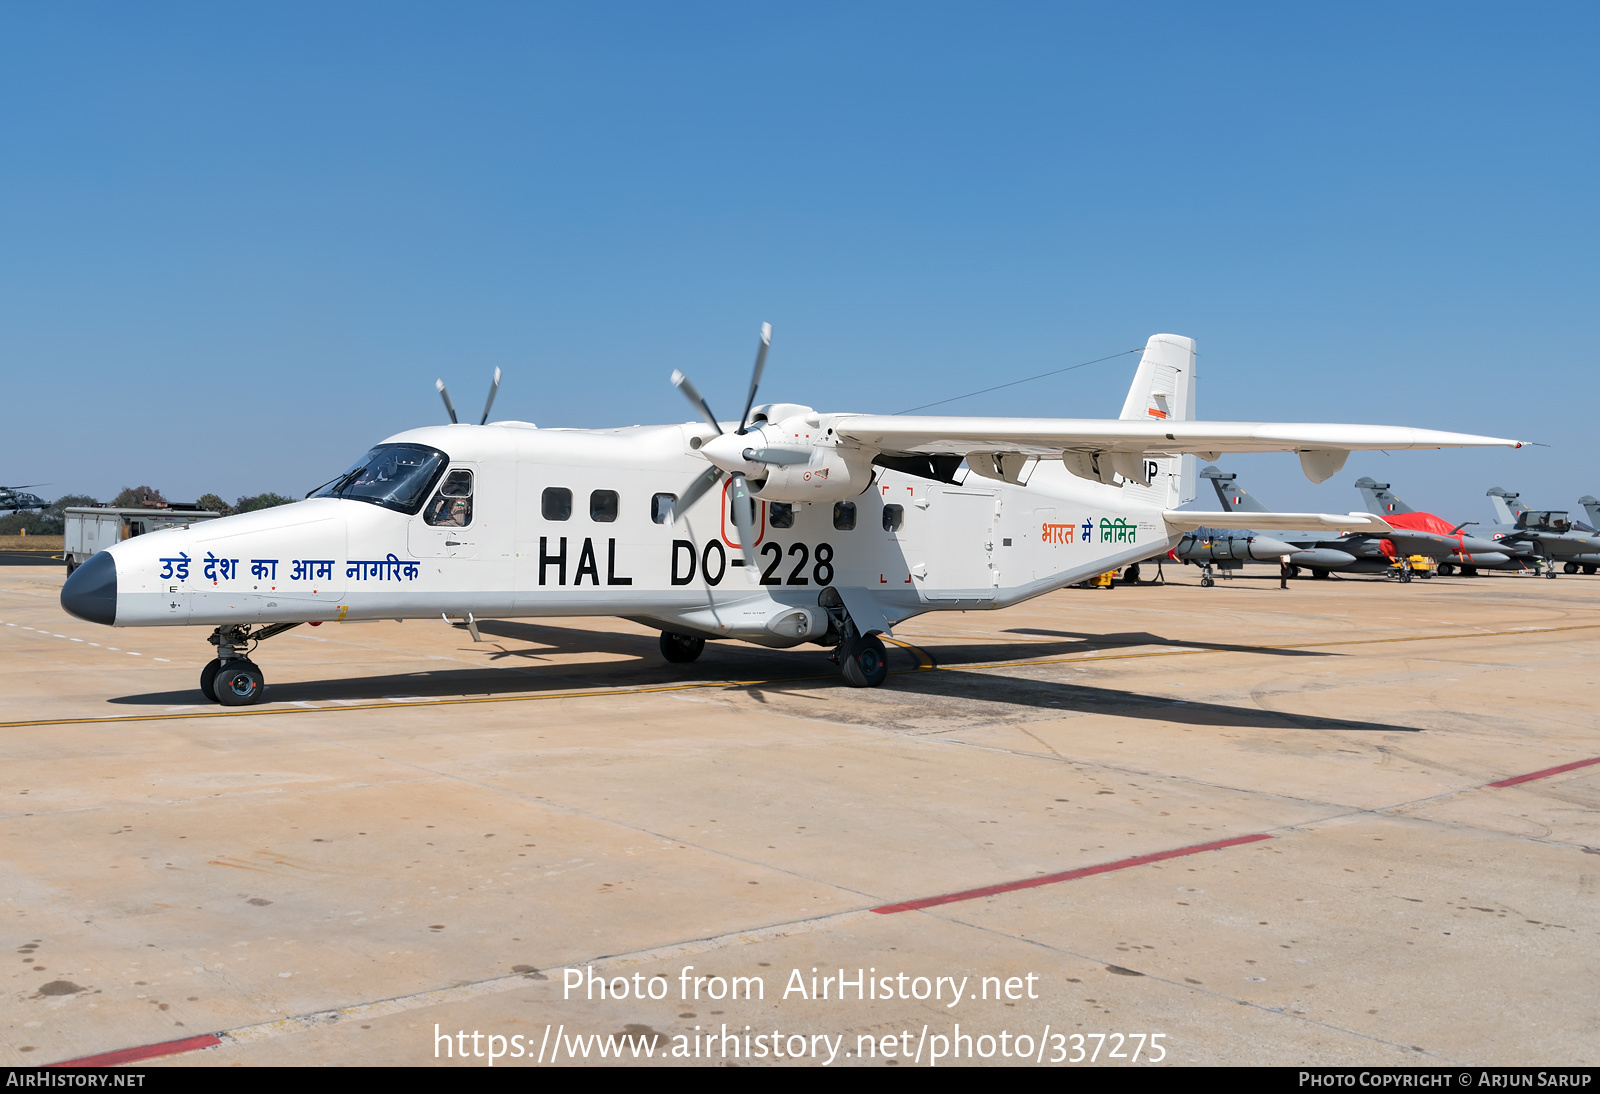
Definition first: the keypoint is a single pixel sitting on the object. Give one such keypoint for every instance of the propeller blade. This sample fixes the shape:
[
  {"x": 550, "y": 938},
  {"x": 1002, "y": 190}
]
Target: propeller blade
[
  {"x": 444, "y": 394},
  {"x": 755, "y": 374},
  {"x": 681, "y": 382},
  {"x": 494, "y": 389},
  {"x": 703, "y": 482},
  {"x": 778, "y": 457},
  {"x": 744, "y": 519}
]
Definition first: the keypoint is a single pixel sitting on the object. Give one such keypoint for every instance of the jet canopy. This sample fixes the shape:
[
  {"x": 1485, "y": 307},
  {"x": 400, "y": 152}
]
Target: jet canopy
[
  {"x": 395, "y": 476},
  {"x": 1545, "y": 520}
]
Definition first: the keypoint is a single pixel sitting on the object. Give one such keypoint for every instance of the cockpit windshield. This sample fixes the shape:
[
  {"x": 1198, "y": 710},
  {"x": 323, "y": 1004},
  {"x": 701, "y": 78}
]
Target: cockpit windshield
[
  {"x": 395, "y": 476},
  {"x": 1545, "y": 521}
]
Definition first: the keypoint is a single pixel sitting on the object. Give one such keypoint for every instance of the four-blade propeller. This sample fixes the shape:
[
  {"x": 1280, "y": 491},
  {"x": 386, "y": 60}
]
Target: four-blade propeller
[{"x": 730, "y": 456}]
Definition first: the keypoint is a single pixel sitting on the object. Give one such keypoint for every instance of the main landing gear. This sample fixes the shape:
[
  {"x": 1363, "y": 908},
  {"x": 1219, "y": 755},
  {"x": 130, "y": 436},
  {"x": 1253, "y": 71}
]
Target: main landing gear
[
  {"x": 862, "y": 660},
  {"x": 680, "y": 649},
  {"x": 231, "y": 678}
]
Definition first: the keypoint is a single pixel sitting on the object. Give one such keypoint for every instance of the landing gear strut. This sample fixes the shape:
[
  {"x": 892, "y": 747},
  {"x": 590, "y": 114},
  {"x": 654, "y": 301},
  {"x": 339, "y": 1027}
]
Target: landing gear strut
[
  {"x": 861, "y": 658},
  {"x": 232, "y": 679}
]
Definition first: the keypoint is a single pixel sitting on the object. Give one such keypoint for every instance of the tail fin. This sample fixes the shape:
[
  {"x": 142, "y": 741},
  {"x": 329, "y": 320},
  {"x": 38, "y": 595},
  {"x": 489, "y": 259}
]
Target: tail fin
[
  {"x": 1233, "y": 497},
  {"x": 1506, "y": 505},
  {"x": 1163, "y": 390},
  {"x": 1378, "y": 498},
  {"x": 1591, "y": 505}
]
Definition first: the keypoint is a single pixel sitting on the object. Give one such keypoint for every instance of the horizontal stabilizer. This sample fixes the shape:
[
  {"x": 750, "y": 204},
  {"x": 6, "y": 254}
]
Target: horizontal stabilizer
[{"x": 1187, "y": 520}]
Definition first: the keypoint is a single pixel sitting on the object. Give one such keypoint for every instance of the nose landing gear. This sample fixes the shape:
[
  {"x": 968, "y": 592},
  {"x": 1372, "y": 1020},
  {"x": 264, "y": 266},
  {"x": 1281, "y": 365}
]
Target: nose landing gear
[{"x": 231, "y": 678}]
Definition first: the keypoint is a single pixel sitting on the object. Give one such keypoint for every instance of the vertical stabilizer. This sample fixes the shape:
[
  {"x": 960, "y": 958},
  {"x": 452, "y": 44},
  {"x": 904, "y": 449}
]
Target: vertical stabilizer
[
  {"x": 1591, "y": 505},
  {"x": 1163, "y": 390},
  {"x": 1378, "y": 498},
  {"x": 1233, "y": 497},
  {"x": 1506, "y": 506}
]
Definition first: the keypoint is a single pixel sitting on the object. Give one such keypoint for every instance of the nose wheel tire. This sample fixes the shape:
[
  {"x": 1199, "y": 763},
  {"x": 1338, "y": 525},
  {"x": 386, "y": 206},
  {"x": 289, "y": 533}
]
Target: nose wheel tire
[
  {"x": 238, "y": 684},
  {"x": 680, "y": 649},
  {"x": 865, "y": 664},
  {"x": 208, "y": 677}
]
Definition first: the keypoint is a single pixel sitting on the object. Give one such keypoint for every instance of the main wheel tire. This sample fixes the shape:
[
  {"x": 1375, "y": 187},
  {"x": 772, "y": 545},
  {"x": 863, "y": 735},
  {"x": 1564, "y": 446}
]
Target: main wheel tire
[
  {"x": 1206, "y": 582},
  {"x": 208, "y": 678},
  {"x": 680, "y": 649},
  {"x": 865, "y": 663},
  {"x": 1294, "y": 570},
  {"x": 1469, "y": 571},
  {"x": 1446, "y": 569},
  {"x": 1570, "y": 568},
  {"x": 1130, "y": 576},
  {"x": 238, "y": 684},
  {"x": 1588, "y": 569},
  {"x": 1319, "y": 574}
]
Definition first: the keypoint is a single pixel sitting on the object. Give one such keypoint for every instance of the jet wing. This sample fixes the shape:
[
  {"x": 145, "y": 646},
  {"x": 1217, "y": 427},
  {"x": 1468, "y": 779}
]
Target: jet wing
[
  {"x": 931, "y": 435},
  {"x": 1184, "y": 520}
]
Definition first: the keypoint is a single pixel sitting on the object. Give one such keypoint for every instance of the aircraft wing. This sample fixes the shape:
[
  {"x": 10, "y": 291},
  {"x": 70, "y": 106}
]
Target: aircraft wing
[
  {"x": 1184, "y": 520},
  {"x": 1101, "y": 448},
  {"x": 931, "y": 435}
]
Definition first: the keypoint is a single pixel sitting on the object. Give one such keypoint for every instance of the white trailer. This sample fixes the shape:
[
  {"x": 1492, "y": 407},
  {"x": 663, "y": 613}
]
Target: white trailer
[{"x": 90, "y": 530}]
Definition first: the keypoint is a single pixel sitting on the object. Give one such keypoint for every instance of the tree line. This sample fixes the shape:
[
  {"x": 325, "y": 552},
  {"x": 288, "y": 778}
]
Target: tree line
[{"x": 51, "y": 521}]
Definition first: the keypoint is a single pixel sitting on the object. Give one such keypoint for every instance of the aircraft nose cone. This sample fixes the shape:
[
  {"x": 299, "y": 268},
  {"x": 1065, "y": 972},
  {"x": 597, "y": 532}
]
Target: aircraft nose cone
[{"x": 91, "y": 590}]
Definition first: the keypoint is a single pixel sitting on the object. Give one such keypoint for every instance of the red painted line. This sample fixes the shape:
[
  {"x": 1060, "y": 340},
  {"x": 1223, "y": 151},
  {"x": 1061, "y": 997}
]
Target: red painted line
[
  {"x": 1514, "y": 780},
  {"x": 1070, "y": 875},
  {"x": 143, "y": 1052}
]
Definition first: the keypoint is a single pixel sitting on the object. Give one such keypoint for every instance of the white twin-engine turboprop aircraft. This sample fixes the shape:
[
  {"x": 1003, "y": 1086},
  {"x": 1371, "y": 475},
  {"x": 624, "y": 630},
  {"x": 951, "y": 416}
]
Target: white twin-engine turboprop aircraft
[{"x": 785, "y": 526}]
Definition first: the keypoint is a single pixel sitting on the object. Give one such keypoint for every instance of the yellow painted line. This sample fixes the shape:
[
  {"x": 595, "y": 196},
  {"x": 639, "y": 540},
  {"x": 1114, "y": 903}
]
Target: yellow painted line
[
  {"x": 1023, "y": 662},
  {"x": 925, "y": 664},
  {"x": 924, "y": 658}
]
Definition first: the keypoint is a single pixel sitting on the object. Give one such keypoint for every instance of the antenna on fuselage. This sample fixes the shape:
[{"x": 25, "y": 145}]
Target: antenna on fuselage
[
  {"x": 494, "y": 389},
  {"x": 444, "y": 393}
]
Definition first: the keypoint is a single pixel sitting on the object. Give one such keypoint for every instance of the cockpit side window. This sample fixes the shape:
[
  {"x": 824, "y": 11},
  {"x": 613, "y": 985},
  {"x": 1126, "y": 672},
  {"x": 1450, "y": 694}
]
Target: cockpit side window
[
  {"x": 452, "y": 505},
  {"x": 395, "y": 476}
]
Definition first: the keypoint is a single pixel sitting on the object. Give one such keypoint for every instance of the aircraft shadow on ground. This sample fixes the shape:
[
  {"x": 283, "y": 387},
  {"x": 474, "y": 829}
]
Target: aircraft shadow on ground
[
  {"x": 1081, "y": 699},
  {"x": 1145, "y": 638},
  {"x": 805, "y": 669}
]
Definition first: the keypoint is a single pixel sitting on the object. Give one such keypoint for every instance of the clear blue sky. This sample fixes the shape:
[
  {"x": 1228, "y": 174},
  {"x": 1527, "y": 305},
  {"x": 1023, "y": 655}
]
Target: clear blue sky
[{"x": 238, "y": 242}]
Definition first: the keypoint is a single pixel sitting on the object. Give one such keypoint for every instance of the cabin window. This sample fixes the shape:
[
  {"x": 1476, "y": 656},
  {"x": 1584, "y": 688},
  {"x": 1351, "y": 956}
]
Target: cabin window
[
  {"x": 893, "y": 517},
  {"x": 603, "y": 506},
  {"x": 556, "y": 503},
  {"x": 452, "y": 505},
  {"x": 661, "y": 507},
  {"x": 844, "y": 515},
  {"x": 781, "y": 514}
]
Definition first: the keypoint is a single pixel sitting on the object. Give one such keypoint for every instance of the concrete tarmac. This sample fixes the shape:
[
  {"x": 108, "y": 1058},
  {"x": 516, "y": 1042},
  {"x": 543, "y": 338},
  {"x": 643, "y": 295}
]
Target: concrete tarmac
[{"x": 1261, "y": 824}]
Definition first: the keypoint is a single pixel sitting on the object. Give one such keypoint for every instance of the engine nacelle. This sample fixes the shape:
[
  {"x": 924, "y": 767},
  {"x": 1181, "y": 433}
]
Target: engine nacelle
[{"x": 830, "y": 474}]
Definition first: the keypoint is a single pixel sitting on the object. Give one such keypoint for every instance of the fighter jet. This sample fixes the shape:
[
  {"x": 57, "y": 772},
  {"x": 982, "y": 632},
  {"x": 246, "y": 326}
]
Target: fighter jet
[
  {"x": 1359, "y": 552},
  {"x": 1549, "y": 534},
  {"x": 784, "y": 526},
  {"x": 1471, "y": 552},
  {"x": 1227, "y": 549}
]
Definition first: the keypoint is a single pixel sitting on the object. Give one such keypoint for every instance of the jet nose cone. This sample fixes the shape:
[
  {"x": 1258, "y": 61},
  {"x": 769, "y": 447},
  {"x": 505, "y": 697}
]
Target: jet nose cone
[{"x": 91, "y": 590}]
